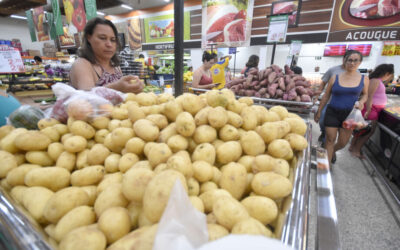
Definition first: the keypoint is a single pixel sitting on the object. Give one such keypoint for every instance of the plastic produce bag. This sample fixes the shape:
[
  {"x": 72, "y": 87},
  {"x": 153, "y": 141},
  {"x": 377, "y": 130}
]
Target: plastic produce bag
[
  {"x": 182, "y": 227},
  {"x": 83, "y": 105},
  {"x": 26, "y": 116},
  {"x": 354, "y": 120}
]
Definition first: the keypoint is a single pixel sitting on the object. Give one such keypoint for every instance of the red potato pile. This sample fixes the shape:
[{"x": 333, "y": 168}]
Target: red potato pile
[{"x": 273, "y": 82}]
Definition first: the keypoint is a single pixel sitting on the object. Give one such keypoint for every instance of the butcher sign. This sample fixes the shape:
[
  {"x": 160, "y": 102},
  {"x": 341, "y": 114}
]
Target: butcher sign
[{"x": 365, "y": 20}]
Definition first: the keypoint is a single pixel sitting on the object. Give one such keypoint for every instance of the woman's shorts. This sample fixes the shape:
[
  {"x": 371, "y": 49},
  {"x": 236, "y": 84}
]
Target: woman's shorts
[
  {"x": 335, "y": 117},
  {"x": 375, "y": 111}
]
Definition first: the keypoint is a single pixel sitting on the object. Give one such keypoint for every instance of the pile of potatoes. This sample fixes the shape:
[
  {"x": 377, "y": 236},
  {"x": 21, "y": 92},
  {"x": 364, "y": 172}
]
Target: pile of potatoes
[{"x": 105, "y": 183}]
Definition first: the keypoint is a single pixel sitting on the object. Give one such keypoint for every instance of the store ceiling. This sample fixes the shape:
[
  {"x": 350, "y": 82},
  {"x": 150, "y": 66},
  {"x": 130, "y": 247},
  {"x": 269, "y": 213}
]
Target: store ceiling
[
  {"x": 136, "y": 5},
  {"x": 9, "y": 7}
]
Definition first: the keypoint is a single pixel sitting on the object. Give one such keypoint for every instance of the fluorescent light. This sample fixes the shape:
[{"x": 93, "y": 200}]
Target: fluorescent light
[
  {"x": 166, "y": 1},
  {"x": 126, "y": 6},
  {"x": 18, "y": 17},
  {"x": 100, "y": 13}
]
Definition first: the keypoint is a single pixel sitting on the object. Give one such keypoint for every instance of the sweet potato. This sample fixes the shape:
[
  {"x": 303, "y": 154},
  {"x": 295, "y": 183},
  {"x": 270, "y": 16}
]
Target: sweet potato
[
  {"x": 236, "y": 81},
  {"x": 257, "y": 87},
  {"x": 303, "y": 83},
  {"x": 300, "y": 90},
  {"x": 299, "y": 78},
  {"x": 288, "y": 71},
  {"x": 254, "y": 83},
  {"x": 271, "y": 77},
  {"x": 287, "y": 79},
  {"x": 310, "y": 92},
  {"x": 261, "y": 74},
  {"x": 292, "y": 95},
  {"x": 291, "y": 85},
  {"x": 285, "y": 96},
  {"x": 264, "y": 82},
  {"x": 263, "y": 91},
  {"x": 242, "y": 92},
  {"x": 272, "y": 89},
  {"x": 267, "y": 72},
  {"x": 298, "y": 99},
  {"x": 280, "y": 74},
  {"x": 257, "y": 94},
  {"x": 305, "y": 98},
  {"x": 276, "y": 68},
  {"x": 281, "y": 83},
  {"x": 253, "y": 71},
  {"x": 279, "y": 93}
]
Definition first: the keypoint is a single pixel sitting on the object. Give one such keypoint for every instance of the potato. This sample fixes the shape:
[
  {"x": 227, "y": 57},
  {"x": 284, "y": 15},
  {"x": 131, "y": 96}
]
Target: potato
[
  {"x": 83, "y": 129},
  {"x": 271, "y": 185},
  {"x": 20, "y": 158},
  {"x": 97, "y": 154},
  {"x": 261, "y": 208},
  {"x": 34, "y": 200},
  {"x": 134, "y": 183},
  {"x": 269, "y": 132},
  {"x": 280, "y": 110},
  {"x": 127, "y": 161},
  {"x": 181, "y": 164},
  {"x": 121, "y": 135},
  {"x": 247, "y": 162},
  {"x": 250, "y": 118},
  {"x": 193, "y": 187},
  {"x": 202, "y": 171},
  {"x": 264, "y": 163},
  {"x": 246, "y": 100},
  {"x": 91, "y": 192},
  {"x": 86, "y": 237},
  {"x": 48, "y": 122},
  {"x": 7, "y": 163},
  {"x": 135, "y": 145},
  {"x": 261, "y": 113},
  {"x": 160, "y": 186},
  {"x": 197, "y": 203},
  {"x": 207, "y": 186},
  {"x": 77, "y": 217},
  {"x": 108, "y": 180},
  {"x": 211, "y": 219},
  {"x": 4, "y": 184},
  {"x": 296, "y": 141},
  {"x": 201, "y": 118},
  {"x": 64, "y": 201},
  {"x": 32, "y": 141},
  {"x": 158, "y": 153},
  {"x": 53, "y": 178},
  {"x": 87, "y": 176},
  {"x": 113, "y": 124},
  {"x": 111, "y": 163},
  {"x": 119, "y": 113},
  {"x": 146, "y": 99},
  {"x": 81, "y": 159},
  {"x": 51, "y": 133},
  {"x": 143, "y": 238},
  {"x": 217, "y": 117},
  {"x": 134, "y": 209},
  {"x": 143, "y": 221},
  {"x": 236, "y": 106},
  {"x": 233, "y": 179},
  {"x": 172, "y": 109},
  {"x": 100, "y": 122},
  {"x": 280, "y": 148},
  {"x": 252, "y": 143},
  {"x": 234, "y": 119},
  {"x": 177, "y": 143},
  {"x": 164, "y": 97},
  {"x": 211, "y": 196},
  {"x": 228, "y": 152},
  {"x": 192, "y": 103},
  {"x": 16, "y": 176},
  {"x": 55, "y": 149},
  {"x": 229, "y": 212},
  {"x": 50, "y": 230},
  {"x": 217, "y": 175},
  {"x": 228, "y": 133},
  {"x": 297, "y": 125},
  {"x": 66, "y": 160},
  {"x": 75, "y": 144},
  {"x": 192, "y": 145},
  {"x": 110, "y": 197},
  {"x": 204, "y": 133},
  {"x": 142, "y": 164},
  {"x": 7, "y": 143},
  {"x": 65, "y": 137},
  {"x": 5, "y": 130},
  {"x": 251, "y": 226},
  {"x": 216, "y": 231},
  {"x": 114, "y": 223},
  {"x": 185, "y": 124},
  {"x": 204, "y": 152},
  {"x": 18, "y": 192},
  {"x": 110, "y": 145},
  {"x": 158, "y": 119},
  {"x": 146, "y": 130}
]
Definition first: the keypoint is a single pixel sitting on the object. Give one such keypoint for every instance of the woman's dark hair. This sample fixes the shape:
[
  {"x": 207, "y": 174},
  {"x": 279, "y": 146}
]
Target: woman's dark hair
[
  {"x": 253, "y": 61},
  {"x": 86, "y": 50},
  {"x": 37, "y": 58},
  {"x": 351, "y": 52},
  {"x": 208, "y": 56},
  {"x": 382, "y": 70},
  {"x": 141, "y": 56}
]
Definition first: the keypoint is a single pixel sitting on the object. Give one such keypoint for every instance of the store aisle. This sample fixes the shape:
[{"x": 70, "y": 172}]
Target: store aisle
[{"x": 365, "y": 217}]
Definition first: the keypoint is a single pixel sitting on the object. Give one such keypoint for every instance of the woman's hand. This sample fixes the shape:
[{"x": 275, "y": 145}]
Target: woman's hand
[
  {"x": 128, "y": 84},
  {"x": 317, "y": 116},
  {"x": 359, "y": 105}
]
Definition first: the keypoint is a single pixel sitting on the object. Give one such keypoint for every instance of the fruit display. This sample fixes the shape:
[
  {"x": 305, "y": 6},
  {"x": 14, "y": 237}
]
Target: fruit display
[
  {"x": 273, "y": 82},
  {"x": 166, "y": 70},
  {"x": 105, "y": 181},
  {"x": 152, "y": 88},
  {"x": 188, "y": 76}
]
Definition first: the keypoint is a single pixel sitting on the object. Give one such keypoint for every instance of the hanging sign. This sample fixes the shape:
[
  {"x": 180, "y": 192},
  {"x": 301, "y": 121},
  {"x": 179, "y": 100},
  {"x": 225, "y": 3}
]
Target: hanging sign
[
  {"x": 31, "y": 25},
  {"x": 40, "y": 25},
  {"x": 295, "y": 47},
  {"x": 75, "y": 15},
  {"x": 10, "y": 60},
  {"x": 57, "y": 17},
  {"x": 52, "y": 26},
  {"x": 389, "y": 49},
  {"x": 91, "y": 9},
  {"x": 277, "y": 29},
  {"x": 397, "y": 51},
  {"x": 226, "y": 23},
  {"x": 232, "y": 50}
]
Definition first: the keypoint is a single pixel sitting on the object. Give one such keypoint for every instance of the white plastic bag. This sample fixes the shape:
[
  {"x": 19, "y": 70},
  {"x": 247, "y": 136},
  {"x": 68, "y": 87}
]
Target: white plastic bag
[{"x": 354, "y": 120}]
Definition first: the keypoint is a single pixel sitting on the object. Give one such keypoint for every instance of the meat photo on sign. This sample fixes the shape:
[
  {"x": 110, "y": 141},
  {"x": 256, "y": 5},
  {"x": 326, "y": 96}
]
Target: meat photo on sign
[
  {"x": 372, "y": 9},
  {"x": 287, "y": 7}
]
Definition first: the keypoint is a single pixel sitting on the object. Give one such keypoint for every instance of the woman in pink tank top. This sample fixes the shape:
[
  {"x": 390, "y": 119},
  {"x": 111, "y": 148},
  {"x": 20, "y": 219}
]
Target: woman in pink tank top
[
  {"x": 376, "y": 102},
  {"x": 202, "y": 78}
]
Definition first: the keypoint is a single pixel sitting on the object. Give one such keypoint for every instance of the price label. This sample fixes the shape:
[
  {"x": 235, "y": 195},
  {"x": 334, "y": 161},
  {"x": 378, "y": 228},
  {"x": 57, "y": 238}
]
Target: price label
[{"x": 10, "y": 60}]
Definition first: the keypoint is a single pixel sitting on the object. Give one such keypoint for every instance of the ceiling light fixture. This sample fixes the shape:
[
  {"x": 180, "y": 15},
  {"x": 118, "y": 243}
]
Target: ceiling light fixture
[
  {"x": 100, "y": 13},
  {"x": 166, "y": 1},
  {"x": 126, "y": 6},
  {"x": 18, "y": 17}
]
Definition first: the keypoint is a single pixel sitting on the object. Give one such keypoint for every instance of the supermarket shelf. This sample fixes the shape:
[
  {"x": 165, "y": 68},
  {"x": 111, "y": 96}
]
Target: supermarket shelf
[{"x": 34, "y": 93}]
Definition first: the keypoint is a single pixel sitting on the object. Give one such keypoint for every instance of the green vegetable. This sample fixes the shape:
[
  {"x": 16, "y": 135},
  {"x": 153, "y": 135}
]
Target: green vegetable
[{"x": 26, "y": 117}]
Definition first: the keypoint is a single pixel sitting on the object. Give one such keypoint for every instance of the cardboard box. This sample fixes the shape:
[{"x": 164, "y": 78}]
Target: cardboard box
[
  {"x": 32, "y": 52},
  {"x": 48, "y": 45}
]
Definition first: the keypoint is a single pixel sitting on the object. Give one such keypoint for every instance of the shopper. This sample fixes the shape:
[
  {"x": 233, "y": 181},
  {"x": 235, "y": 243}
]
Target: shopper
[
  {"x": 296, "y": 69},
  {"x": 98, "y": 62},
  {"x": 38, "y": 60},
  {"x": 344, "y": 90},
  {"x": 251, "y": 63},
  {"x": 202, "y": 77},
  {"x": 377, "y": 100},
  {"x": 218, "y": 71}
]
